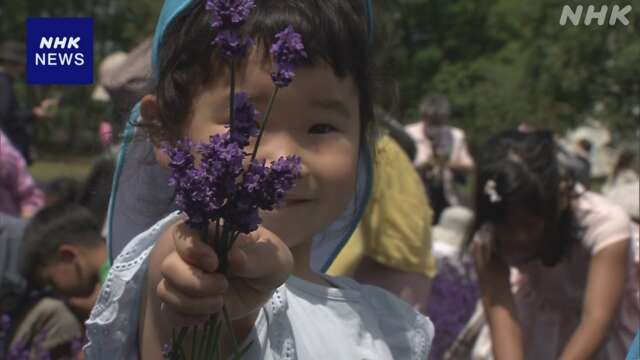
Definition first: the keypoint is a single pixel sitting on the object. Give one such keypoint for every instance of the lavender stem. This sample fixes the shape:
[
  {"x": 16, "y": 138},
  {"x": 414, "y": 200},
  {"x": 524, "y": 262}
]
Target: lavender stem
[{"x": 264, "y": 122}]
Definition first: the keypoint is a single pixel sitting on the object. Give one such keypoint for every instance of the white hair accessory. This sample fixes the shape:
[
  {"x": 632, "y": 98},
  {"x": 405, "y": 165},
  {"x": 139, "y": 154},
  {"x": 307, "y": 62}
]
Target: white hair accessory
[{"x": 491, "y": 192}]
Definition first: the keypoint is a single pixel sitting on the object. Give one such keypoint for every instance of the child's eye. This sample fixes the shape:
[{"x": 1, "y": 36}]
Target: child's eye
[{"x": 322, "y": 129}]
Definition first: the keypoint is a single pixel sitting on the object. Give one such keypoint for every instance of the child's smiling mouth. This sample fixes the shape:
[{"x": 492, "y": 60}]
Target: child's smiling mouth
[{"x": 289, "y": 203}]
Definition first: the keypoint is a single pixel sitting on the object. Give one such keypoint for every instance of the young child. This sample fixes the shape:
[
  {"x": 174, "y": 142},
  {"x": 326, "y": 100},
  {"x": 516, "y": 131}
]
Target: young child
[
  {"x": 166, "y": 276},
  {"x": 568, "y": 249},
  {"x": 62, "y": 248}
]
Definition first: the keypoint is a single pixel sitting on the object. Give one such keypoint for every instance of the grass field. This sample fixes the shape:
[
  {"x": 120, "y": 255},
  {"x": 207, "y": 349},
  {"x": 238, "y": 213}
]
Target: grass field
[{"x": 48, "y": 168}]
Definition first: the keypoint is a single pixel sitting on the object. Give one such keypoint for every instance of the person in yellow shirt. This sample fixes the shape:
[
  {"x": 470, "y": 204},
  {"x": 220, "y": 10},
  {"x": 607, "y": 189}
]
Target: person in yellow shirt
[{"x": 391, "y": 247}]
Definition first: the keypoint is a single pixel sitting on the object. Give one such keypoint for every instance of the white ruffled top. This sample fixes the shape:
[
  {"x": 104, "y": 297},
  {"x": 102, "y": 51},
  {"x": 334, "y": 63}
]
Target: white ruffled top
[{"x": 302, "y": 320}]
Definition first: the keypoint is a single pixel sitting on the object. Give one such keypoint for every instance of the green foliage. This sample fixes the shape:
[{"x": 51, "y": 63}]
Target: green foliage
[
  {"x": 501, "y": 62},
  {"x": 119, "y": 25},
  {"x": 505, "y": 62}
]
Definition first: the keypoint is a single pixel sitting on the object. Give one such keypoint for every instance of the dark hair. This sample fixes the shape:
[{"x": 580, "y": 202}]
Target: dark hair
[
  {"x": 527, "y": 174},
  {"x": 97, "y": 188},
  {"x": 435, "y": 109},
  {"x": 334, "y": 31},
  {"x": 65, "y": 190},
  {"x": 626, "y": 160},
  {"x": 54, "y": 226},
  {"x": 586, "y": 145}
]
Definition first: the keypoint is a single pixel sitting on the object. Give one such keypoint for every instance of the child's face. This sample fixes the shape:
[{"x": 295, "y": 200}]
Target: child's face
[
  {"x": 317, "y": 118},
  {"x": 67, "y": 273},
  {"x": 521, "y": 237}
]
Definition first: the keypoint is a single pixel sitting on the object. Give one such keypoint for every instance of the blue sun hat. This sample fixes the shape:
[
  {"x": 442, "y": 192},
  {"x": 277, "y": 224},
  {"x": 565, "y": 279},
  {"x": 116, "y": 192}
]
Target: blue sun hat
[{"x": 141, "y": 195}]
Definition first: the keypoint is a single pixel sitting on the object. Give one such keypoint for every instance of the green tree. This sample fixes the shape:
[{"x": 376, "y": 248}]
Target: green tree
[
  {"x": 505, "y": 62},
  {"x": 119, "y": 25}
]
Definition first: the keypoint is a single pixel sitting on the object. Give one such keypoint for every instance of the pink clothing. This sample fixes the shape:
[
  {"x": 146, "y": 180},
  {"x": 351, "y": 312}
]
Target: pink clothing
[
  {"x": 549, "y": 299},
  {"x": 19, "y": 194},
  {"x": 105, "y": 132}
]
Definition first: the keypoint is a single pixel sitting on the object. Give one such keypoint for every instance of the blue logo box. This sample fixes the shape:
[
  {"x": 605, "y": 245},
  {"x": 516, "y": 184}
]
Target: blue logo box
[{"x": 59, "y": 50}]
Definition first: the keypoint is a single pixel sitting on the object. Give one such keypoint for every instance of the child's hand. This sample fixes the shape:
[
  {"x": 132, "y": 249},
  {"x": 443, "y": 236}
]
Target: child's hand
[
  {"x": 191, "y": 289},
  {"x": 489, "y": 266}
]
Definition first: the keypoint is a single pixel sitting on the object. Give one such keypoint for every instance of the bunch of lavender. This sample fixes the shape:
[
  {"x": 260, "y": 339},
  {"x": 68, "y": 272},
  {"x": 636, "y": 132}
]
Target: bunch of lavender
[
  {"x": 225, "y": 190},
  {"x": 453, "y": 299}
]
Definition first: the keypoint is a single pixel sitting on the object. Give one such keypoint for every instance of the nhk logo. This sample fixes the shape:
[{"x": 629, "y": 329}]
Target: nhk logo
[
  {"x": 60, "y": 50},
  {"x": 618, "y": 14},
  {"x": 63, "y": 59}
]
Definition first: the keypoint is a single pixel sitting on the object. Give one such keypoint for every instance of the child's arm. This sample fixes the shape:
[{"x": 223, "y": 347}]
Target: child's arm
[
  {"x": 498, "y": 303},
  {"x": 411, "y": 287},
  {"x": 182, "y": 277},
  {"x": 605, "y": 286}
]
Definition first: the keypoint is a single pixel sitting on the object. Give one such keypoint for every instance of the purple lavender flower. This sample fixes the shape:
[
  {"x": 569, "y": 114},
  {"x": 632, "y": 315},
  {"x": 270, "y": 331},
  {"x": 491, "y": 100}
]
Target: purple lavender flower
[
  {"x": 288, "y": 52},
  {"x": 255, "y": 177},
  {"x": 226, "y": 17},
  {"x": 242, "y": 215},
  {"x": 281, "y": 178},
  {"x": 202, "y": 192},
  {"x": 228, "y": 14},
  {"x": 263, "y": 188},
  {"x": 221, "y": 158},
  {"x": 181, "y": 160},
  {"x": 284, "y": 172},
  {"x": 212, "y": 190},
  {"x": 19, "y": 351},
  {"x": 230, "y": 45},
  {"x": 38, "y": 347},
  {"x": 166, "y": 351},
  {"x": 453, "y": 300},
  {"x": 244, "y": 124},
  {"x": 76, "y": 345}
]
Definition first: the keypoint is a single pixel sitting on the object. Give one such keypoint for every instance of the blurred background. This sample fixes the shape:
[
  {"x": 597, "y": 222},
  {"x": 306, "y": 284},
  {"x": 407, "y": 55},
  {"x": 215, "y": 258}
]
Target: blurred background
[
  {"x": 482, "y": 66},
  {"x": 501, "y": 63}
]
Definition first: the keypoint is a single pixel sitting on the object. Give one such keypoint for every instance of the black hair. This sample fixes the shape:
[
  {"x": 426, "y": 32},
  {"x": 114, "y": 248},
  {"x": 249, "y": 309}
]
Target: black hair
[
  {"x": 527, "y": 174},
  {"x": 626, "y": 160},
  {"x": 97, "y": 188},
  {"x": 435, "y": 109},
  {"x": 52, "y": 227},
  {"x": 586, "y": 145},
  {"x": 65, "y": 190},
  {"x": 334, "y": 32}
]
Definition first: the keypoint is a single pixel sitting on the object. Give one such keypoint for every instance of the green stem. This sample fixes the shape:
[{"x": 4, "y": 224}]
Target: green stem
[
  {"x": 213, "y": 337},
  {"x": 227, "y": 321},
  {"x": 265, "y": 118},
  {"x": 222, "y": 249},
  {"x": 234, "y": 237},
  {"x": 176, "y": 346},
  {"x": 217, "y": 229},
  {"x": 194, "y": 342}
]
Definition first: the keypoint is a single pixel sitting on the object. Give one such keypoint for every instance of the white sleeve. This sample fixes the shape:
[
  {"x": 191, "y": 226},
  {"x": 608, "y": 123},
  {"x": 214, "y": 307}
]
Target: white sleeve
[
  {"x": 408, "y": 333},
  {"x": 112, "y": 327}
]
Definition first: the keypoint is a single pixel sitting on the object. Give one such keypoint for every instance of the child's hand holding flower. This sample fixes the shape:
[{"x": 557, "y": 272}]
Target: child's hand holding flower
[
  {"x": 192, "y": 289},
  {"x": 219, "y": 260}
]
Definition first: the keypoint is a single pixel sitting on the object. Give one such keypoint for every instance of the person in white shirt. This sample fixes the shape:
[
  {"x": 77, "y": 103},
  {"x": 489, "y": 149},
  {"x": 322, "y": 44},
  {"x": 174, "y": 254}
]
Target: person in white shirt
[{"x": 442, "y": 152}]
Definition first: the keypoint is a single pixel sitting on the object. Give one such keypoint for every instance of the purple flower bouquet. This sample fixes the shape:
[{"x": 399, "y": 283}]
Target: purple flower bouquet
[{"x": 227, "y": 187}]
